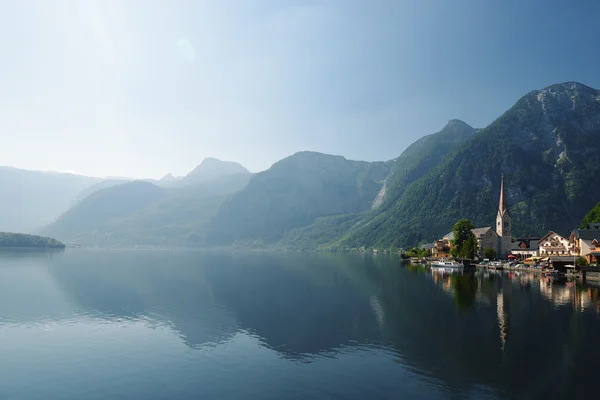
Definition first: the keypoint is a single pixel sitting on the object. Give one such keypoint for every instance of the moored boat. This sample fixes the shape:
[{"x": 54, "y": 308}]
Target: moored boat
[{"x": 446, "y": 264}]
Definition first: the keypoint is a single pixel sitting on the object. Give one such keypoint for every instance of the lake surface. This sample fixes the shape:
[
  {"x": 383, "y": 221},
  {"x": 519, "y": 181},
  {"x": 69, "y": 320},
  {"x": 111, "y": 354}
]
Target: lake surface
[{"x": 92, "y": 324}]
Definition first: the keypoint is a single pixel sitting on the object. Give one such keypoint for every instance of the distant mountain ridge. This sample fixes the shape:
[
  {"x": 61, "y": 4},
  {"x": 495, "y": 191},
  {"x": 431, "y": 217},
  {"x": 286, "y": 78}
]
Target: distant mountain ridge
[
  {"x": 210, "y": 169},
  {"x": 33, "y": 199},
  {"x": 545, "y": 145},
  {"x": 144, "y": 213},
  {"x": 30, "y": 199},
  {"x": 295, "y": 192},
  {"x": 169, "y": 178}
]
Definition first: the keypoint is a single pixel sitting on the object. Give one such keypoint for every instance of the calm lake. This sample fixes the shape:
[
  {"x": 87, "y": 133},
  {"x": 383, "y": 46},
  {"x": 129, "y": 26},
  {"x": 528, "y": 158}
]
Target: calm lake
[{"x": 92, "y": 324}]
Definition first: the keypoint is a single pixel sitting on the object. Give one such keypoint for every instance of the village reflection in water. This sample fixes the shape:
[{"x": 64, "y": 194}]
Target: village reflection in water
[{"x": 487, "y": 287}]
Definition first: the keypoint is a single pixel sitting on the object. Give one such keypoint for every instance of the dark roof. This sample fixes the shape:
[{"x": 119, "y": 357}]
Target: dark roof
[
  {"x": 550, "y": 233},
  {"x": 530, "y": 245},
  {"x": 531, "y": 237},
  {"x": 561, "y": 258},
  {"x": 587, "y": 234},
  {"x": 476, "y": 231},
  {"x": 480, "y": 231}
]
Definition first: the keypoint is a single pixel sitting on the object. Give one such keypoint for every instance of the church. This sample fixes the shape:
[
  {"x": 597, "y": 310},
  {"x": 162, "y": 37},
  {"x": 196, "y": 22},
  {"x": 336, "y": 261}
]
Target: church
[
  {"x": 499, "y": 239},
  {"x": 503, "y": 224}
]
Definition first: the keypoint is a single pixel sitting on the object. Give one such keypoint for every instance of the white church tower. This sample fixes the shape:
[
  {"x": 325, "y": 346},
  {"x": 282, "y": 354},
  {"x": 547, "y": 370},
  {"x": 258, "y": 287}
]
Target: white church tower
[{"x": 503, "y": 224}]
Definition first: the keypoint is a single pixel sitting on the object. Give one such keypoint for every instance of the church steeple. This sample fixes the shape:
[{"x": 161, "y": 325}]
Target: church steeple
[
  {"x": 503, "y": 223},
  {"x": 503, "y": 207}
]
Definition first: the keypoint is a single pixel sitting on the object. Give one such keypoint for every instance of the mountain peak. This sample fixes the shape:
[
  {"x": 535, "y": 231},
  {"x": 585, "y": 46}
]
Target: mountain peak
[
  {"x": 168, "y": 178},
  {"x": 570, "y": 86},
  {"x": 213, "y": 165},
  {"x": 458, "y": 127},
  {"x": 457, "y": 123},
  {"x": 212, "y": 168},
  {"x": 562, "y": 98}
]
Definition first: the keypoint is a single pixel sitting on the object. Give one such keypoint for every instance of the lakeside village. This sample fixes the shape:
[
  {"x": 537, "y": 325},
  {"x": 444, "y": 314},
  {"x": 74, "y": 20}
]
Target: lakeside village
[{"x": 552, "y": 255}]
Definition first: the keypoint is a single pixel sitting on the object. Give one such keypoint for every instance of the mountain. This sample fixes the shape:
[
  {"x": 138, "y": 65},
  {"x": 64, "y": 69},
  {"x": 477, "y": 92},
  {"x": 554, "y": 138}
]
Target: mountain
[
  {"x": 169, "y": 178},
  {"x": 421, "y": 157},
  {"x": 310, "y": 199},
  {"x": 102, "y": 208},
  {"x": 293, "y": 193},
  {"x": 103, "y": 184},
  {"x": 211, "y": 169},
  {"x": 545, "y": 145},
  {"x": 31, "y": 199},
  {"x": 143, "y": 213}
]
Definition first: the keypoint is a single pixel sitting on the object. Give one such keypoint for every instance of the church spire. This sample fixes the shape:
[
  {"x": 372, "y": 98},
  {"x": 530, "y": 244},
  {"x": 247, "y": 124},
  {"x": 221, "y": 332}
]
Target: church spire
[{"x": 503, "y": 208}]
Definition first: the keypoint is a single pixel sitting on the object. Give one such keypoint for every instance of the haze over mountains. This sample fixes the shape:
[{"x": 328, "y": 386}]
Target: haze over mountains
[
  {"x": 33, "y": 199},
  {"x": 545, "y": 145}
]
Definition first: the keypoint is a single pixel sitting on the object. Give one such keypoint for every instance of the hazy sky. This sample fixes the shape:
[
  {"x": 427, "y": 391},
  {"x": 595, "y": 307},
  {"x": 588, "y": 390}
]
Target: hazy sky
[{"x": 142, "y": 88}]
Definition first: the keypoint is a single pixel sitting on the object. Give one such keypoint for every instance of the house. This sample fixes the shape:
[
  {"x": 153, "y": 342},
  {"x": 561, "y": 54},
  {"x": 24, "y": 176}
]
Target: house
[
  {"x": 525, "y": 246},
  {"x": 428, "y": 246},
  {"x": 486, "y": 238},
  {"x": 441, "y": 248},
  {"x": 587, "y": 242},
  {"x": 553, "y": 244}
]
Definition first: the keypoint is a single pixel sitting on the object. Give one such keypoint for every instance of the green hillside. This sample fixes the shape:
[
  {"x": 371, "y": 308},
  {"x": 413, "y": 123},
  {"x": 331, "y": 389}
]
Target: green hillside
[
  {"x": 8, "y": 239},
  {"x": 293, "y": 193},
  {"x": 545, "y": 145},
  {"x": 142, "y": 214},
  {"x": 423, "y": 156},
  {"x": 309, "y": 200},
  {"x": 591, "y": 217}
]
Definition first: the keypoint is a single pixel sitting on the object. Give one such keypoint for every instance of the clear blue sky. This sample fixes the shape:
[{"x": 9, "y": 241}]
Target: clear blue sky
[{"x": 145, "y": 87}]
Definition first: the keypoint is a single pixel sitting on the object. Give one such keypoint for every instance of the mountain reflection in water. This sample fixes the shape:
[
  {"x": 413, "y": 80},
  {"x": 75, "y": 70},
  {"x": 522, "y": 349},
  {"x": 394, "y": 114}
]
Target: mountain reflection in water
[{"x": 297, "y": 325}]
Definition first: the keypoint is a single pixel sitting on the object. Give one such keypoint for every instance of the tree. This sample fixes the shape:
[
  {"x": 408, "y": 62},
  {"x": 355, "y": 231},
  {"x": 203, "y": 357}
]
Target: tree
[
  {"x": 464, "y": 243},
  {"x": 470, "y": 248},
  {"x": 418, "y": 252},
  {"x": 489, "y": 253},
  {"x": 581, "y": 261},
  {"x": 591, "y": 217}
]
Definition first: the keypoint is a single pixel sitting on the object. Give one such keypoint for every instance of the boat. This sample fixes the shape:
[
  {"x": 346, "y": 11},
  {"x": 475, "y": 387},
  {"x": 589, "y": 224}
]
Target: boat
[
  {"x": 446, "y": 264},
  {"x": 497, "y": 265}
]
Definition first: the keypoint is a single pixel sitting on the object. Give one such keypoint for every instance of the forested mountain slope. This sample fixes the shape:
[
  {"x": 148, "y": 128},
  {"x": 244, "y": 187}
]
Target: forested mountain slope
[{"x": 545, "y": 145}]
